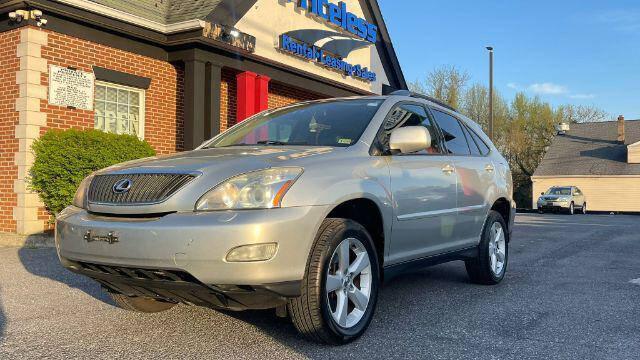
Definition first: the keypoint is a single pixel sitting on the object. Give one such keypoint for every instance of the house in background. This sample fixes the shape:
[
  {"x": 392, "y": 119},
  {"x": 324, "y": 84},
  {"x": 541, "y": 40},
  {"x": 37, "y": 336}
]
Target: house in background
[{"x": 602, "y": 159}]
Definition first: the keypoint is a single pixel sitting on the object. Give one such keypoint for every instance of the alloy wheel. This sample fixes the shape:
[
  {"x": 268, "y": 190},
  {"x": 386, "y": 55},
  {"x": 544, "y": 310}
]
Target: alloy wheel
[
  {"x": 348, "y": 283},
  {"x": 497, "y": 249}
]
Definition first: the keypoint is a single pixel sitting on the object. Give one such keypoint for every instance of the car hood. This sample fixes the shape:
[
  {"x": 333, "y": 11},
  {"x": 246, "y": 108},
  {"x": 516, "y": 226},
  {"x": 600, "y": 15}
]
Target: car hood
[
  {"x": 215, "y": 161},
  {"x": 209, "y": 168}
]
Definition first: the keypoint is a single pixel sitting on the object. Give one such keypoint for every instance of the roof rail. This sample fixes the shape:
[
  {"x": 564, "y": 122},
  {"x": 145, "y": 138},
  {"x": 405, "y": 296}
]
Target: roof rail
[{"x": 421, "y": 96}]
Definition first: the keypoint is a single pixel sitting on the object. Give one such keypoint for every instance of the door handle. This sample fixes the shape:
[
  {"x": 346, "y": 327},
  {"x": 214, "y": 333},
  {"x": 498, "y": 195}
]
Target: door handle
[
  {"x": 448, "y": 169},
  {"x": 489, "y": 168}
]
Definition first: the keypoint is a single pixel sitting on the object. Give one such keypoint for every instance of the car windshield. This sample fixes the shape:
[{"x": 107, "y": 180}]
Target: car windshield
[
  {"x": 559, "y": 191},
  {"x": 337, "y": 123}
]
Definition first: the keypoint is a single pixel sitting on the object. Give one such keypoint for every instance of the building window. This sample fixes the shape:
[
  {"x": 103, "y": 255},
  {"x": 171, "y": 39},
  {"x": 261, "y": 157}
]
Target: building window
[{"x": 119, "y": 109}]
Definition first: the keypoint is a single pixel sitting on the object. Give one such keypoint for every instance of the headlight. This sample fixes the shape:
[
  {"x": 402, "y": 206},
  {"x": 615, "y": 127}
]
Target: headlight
[
  {"x": 263, "y": 189},
  {"x": 80, "y": 199}
]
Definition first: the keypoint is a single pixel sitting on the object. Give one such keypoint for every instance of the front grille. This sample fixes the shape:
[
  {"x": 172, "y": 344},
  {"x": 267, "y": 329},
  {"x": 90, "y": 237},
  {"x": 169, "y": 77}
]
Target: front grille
[{"x": 145, "y": 188}]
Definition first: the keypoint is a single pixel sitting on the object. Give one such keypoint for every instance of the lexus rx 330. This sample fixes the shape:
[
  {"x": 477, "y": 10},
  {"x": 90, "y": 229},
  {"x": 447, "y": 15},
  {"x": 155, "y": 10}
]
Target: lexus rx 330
[{"x": 305, "y": 209}]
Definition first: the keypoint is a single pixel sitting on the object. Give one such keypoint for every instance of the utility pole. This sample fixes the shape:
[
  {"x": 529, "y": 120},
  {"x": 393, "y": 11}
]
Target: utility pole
[{"x": 490, "y": 127}]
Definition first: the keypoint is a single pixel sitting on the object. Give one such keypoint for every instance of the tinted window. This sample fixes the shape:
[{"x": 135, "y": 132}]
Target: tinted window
[
  {"x": 559, "y": 191},
  {"x": 484, "y": 148},
  {"x": 327, "y": 123},
  {"x": 454, "y": 138},
  {"x": 412, "y": 115},
  {"x": 472, "y": 144}
]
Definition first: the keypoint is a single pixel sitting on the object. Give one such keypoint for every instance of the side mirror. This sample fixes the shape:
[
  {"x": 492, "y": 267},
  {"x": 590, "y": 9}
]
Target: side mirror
[
  {"x": 410, "y": 139},
  {"x": 542, "y": 193}
]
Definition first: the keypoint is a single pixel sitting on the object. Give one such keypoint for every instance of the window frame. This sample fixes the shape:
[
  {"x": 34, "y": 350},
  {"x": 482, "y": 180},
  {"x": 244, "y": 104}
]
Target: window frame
[
  {"x": 142, "y": 104},
  {"x": 432, "y": 108},
  {"x": 473, "y": 138},
  {"x": 464, "y": 126},
  {"x": 377, "y": 144},
  {"x": 479, "y": 138}
]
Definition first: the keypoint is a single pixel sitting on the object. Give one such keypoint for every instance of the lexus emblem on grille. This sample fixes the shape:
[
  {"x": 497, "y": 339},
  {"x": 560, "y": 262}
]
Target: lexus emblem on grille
[{"x": 122, "y": 186}]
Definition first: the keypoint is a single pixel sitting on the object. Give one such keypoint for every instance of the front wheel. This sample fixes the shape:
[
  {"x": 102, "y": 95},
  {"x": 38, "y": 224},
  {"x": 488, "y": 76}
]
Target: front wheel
[
  {"x": 572, "y": 209},
  {"x": 340, "y": 288},
  {"x": 489, "y": 267},
  {"x": 584, "y": 208}
]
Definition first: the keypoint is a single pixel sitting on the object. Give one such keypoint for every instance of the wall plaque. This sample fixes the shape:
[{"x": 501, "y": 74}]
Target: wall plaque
[{"x": 71, "y": 88}]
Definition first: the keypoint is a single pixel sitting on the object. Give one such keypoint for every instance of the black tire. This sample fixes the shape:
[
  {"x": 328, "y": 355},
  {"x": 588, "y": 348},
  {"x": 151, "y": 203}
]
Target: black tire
[
  {"x": 540, "y": 211},
  {"x": 584, "y": 208},
  {"x": 572, "y": 209},
  {"x": 479, "y": 268},
  {"x": 140, "y": 304},
  {"x": 310, "y": 312}
]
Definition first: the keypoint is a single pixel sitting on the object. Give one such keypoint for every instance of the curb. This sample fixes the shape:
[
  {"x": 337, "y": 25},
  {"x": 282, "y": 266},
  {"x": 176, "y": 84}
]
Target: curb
[{"x": 42, "y": 240}]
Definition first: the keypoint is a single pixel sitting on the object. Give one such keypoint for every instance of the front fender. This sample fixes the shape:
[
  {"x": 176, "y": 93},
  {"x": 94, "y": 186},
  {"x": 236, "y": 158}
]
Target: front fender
[{"x": 349, "y": 180}]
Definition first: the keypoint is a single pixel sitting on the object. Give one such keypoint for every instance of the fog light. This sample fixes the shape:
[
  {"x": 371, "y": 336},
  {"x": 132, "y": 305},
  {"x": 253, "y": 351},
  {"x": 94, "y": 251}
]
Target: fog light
[{"x": 256, "y": 252}]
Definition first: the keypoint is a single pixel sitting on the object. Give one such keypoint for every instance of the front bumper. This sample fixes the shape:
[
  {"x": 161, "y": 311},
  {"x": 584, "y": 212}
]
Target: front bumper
[
  {"x": 195, "y": 244},
  {"x": 553, "y": 205}
]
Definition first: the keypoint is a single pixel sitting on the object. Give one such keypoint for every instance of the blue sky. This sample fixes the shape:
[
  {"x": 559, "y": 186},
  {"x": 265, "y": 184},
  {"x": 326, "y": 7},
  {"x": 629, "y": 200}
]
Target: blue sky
[{"x": 565, "y": 51}]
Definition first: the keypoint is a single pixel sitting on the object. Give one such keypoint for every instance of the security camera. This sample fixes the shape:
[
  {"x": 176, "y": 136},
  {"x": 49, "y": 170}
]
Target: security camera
[
  {"x": 42, "y": 22},
  {"x": 36, "y": 14},
  {"x": 16, "y": 16}
]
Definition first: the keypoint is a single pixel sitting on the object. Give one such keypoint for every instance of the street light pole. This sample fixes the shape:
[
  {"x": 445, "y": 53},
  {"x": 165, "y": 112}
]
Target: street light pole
[{"x": 490, "y": 127}]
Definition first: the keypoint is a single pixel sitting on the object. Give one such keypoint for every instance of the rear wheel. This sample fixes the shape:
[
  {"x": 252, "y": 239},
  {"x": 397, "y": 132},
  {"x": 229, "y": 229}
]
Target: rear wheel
[
  {"x": 140, "y": 304},
  {"x": 340, "y": 288},
  {"x": 493, "y": 252},
  {"x": 584, "y": 208}
]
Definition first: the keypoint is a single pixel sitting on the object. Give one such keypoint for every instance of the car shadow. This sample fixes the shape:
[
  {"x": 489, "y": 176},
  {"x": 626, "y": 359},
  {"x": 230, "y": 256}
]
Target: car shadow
[
  {"x": 43, "y": 262},
  {"x": 419, "y": 292},
  {"x": 404, "y": 295}
]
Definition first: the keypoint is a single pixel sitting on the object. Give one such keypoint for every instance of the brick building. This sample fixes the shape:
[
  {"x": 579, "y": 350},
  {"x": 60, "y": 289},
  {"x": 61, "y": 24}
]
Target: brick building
[{"x": 173, "y": 72}]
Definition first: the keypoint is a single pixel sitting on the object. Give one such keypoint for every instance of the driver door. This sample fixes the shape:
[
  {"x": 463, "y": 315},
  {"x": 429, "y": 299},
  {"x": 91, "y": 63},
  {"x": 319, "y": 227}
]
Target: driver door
[{"x": 423, "y": 186}]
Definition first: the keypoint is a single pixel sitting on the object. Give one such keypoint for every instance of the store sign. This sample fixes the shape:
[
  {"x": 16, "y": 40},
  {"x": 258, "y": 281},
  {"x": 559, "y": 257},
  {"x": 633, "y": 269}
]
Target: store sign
[
  {"x": 318, "y": 55},
  {"x": 71, "y": 88},
  {"x": 337, "y": 15}
]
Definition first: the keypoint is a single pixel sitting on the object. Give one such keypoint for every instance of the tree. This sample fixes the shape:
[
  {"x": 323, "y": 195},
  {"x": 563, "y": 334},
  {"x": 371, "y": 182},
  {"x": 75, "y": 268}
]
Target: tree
[
  {"x": 445, "y": 83},
  {"x": 582, "y": 113}
]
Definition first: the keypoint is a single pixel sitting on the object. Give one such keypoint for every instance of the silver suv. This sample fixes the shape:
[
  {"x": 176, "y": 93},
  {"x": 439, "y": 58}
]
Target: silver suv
[
  {"x": 562, "y": 198},
  {"x": 304, "y": 209}
]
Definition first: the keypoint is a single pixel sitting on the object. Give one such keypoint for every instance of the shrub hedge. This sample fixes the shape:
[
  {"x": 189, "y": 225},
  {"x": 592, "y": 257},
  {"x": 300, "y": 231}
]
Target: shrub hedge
[{"x": 64, "y": 157}]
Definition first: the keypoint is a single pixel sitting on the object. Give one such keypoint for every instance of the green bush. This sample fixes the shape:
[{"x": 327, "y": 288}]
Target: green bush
[{"x": 64, "y": 157}]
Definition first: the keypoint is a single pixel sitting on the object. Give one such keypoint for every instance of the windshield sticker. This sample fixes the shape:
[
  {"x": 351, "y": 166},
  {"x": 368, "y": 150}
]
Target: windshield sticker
[{"x": 345, "y": 141}]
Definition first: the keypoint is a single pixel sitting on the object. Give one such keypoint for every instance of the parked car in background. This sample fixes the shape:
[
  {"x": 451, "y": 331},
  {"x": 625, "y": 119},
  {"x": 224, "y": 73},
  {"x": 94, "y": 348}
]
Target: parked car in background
[
  {"x": 562, "y": 198},
  {"x": 304, "y": 209}
]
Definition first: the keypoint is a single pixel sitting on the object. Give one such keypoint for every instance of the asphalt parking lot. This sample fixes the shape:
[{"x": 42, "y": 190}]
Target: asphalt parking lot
[{"x": 571, "y": 291}]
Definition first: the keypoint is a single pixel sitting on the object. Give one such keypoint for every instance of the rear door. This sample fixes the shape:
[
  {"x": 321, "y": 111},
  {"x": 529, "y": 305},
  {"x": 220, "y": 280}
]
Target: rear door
[
  {"x": 475, "y": 176},
  {"x": 423, "y": 186}
]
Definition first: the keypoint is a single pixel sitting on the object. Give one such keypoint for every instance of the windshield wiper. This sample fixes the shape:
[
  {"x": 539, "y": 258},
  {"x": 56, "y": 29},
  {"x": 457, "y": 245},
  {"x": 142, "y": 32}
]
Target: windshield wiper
[{"x": 275, "y": 142}]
